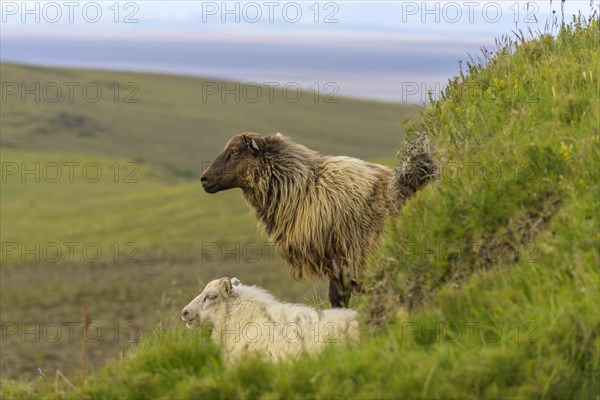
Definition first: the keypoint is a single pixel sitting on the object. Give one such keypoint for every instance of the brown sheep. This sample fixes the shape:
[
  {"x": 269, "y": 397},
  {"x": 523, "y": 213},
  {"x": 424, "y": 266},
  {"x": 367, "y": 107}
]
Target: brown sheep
[{"x": 324, "y": 214}]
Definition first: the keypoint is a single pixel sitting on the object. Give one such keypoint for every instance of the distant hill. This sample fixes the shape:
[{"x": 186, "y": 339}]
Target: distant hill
[{"x": 180, "y": 123}]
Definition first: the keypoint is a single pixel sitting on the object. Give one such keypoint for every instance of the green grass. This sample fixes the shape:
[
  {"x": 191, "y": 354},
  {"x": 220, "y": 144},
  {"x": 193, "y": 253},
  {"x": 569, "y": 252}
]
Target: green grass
[{"x": 484, "y": 288}]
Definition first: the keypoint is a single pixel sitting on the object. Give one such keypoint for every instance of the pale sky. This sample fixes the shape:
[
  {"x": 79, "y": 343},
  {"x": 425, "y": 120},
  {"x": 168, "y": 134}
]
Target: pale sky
[
  {"x": 392, "y": 19},
  {"x": 77, "y": 33}
]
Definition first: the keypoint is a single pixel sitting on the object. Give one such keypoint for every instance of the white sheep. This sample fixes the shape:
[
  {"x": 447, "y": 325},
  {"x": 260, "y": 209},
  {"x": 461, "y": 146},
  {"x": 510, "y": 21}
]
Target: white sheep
[{"x": 248, "y": 318}]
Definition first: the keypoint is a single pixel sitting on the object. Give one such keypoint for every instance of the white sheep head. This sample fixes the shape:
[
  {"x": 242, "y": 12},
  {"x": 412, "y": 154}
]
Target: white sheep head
[{"x": 209, "y": 306}]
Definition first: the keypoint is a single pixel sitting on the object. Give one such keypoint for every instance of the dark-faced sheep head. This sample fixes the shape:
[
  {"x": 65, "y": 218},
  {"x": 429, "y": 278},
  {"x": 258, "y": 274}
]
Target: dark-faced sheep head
[{"x": 233, "y": 164}]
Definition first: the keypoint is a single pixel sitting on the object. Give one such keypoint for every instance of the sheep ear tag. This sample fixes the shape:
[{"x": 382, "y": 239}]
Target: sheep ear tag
[{"x": 252, "y": 145}]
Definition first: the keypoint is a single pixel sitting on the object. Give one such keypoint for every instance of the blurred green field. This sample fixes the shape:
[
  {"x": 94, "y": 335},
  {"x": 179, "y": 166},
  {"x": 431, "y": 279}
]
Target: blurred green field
[
  {"x": 101, "y": 204},
  {"x": 163, "y": 217},
  {"x": 508, "y": 308},
  {"x": 174, "y": 123}
]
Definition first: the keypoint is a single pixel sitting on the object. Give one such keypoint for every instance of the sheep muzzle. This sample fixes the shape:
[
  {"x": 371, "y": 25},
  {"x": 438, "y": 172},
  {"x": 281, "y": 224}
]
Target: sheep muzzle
[{"x": 191, "y": 318}]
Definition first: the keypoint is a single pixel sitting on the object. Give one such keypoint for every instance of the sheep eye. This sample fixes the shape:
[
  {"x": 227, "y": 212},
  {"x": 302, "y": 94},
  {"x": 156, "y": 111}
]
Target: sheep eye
[
  {"x": 210, "y": 297},
  {"x": 235, "y": 152}
]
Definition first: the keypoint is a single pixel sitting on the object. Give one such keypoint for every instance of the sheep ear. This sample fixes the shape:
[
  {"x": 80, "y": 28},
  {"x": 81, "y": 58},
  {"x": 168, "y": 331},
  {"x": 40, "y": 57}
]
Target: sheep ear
[
  {"x": 226, "y": 285},
  {"x": 235, "y": 282}
]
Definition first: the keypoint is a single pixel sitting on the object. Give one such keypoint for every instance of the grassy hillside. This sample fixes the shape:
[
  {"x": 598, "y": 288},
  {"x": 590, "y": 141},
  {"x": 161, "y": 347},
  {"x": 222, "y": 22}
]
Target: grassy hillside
[
  {"x": 487, "y": 286},
  {"x": 177, "y": 122}
]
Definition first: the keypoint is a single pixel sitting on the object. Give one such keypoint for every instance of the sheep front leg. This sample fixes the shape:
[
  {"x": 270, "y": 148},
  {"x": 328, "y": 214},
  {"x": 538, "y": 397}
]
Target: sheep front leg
[
  {"x": 339, "y": 295},
  {"x": 340, "y": 288}
]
